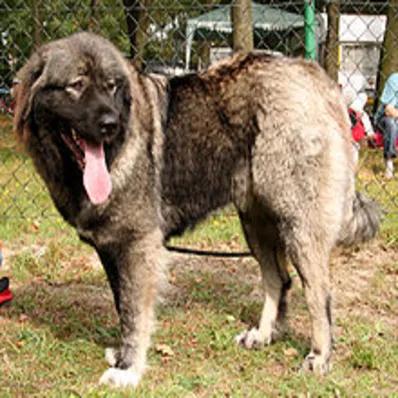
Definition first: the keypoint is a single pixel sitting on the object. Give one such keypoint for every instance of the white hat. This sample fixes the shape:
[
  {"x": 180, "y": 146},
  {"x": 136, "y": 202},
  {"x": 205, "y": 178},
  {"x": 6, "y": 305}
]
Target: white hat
[{"x": 359, "y": 102}]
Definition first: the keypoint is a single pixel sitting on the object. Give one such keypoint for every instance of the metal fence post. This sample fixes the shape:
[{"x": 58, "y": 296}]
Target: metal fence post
[{"x": 309, "y": 29}]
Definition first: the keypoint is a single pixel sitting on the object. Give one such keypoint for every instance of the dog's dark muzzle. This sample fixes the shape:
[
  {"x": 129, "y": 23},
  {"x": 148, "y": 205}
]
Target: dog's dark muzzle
[{"x": 108, "y": 125}]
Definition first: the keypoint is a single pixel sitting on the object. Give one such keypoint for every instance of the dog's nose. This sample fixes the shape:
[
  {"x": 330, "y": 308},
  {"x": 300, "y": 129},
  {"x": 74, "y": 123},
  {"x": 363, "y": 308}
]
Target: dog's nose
[{"x": 108, "y": 123}]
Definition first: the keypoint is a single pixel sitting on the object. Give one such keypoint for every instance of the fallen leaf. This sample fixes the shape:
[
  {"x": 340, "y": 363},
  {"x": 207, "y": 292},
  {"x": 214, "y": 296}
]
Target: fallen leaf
[
  {"x": 23, "y": 318},
  {"x": 230, "y": 318},
  {"x": 290, "y": 352},
  {"x": 164, "y": 350}
]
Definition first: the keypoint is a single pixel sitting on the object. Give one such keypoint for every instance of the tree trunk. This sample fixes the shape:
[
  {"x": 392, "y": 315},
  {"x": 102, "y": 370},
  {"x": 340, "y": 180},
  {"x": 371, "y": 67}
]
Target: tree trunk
[
  {"x": 389, "y": 55},
  {"x": 37, "y": 22},
  {"x": 93, "y": 23},
  {"x": 242, "y": 25},
  {"x": 332, "y": 39},
  {"x": 137, "y": 19}
]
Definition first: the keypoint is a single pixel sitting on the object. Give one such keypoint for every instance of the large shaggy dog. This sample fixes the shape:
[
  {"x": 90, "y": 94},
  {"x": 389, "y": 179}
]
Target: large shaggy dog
[{"x": 131, "y": 159}]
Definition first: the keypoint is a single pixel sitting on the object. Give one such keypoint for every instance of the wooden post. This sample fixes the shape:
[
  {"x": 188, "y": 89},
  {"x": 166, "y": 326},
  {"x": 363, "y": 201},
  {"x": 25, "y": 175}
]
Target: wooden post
[
  {"x": 242, "y": 25},
  {"x": 332, "y": 39},
  {"x": 389, "y": 55}
]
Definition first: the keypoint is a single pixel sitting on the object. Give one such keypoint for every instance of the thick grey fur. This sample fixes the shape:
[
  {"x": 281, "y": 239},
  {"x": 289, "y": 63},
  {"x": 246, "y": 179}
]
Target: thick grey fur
[{"x": 269, "y": 134}]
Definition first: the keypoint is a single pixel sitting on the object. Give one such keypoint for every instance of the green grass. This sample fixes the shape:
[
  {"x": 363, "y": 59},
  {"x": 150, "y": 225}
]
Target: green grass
[
  {"x": 62, "y": 317},
  {"x": 371, "y": 181}
]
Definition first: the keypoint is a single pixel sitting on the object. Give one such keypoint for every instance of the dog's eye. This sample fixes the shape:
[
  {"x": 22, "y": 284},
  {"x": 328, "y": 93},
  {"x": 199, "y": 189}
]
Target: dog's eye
[
  {"x": 76, "y": 87},
  {"x": 111, "y": 87}
]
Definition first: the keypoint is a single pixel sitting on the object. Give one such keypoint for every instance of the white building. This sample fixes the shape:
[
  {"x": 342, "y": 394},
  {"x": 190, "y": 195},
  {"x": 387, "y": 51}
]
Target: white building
[{"x": 361, "y": 38}]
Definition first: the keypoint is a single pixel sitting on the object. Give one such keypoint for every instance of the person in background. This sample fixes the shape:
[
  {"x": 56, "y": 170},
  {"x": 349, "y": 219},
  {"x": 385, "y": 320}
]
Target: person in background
[
  {"x": 5, "y": 292},
  {"x": 358, "y": 106},
  {"x": 387, "y": 121},
  {"x": 361, "y": 126}
]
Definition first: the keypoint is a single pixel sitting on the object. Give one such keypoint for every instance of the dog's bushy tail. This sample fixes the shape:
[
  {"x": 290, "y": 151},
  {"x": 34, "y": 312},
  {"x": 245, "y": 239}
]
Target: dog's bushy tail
[{"x": 364, "y": 222}]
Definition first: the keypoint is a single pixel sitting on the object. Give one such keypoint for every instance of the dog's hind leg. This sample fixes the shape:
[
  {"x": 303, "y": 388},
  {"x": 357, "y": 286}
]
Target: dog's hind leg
[
  {"x": 275, "y": 281},
  {"x": 310, "y": 256}
]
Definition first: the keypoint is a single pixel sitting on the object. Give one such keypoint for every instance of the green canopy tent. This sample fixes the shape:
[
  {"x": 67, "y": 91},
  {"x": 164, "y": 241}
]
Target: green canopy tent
[{"x": 265, "y": 18}]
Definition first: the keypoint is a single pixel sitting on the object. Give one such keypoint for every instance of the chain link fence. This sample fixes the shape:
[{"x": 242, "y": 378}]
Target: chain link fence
[{"x": 354, "y": 40}]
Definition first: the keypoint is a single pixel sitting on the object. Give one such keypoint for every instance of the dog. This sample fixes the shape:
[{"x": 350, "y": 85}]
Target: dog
[{"x": 131, "y": 159}]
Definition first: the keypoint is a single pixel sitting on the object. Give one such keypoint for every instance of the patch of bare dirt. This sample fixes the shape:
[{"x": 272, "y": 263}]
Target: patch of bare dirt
[{"x": 364, "y": 281}]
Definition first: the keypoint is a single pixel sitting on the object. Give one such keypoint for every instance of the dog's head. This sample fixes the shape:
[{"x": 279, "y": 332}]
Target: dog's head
[{"x": 74, "y": 95}]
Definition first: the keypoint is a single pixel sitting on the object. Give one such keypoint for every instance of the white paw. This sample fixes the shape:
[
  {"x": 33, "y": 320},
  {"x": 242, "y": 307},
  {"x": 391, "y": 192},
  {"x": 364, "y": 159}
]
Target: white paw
[
  {"x": 316, "y": 363},
  {"x": 120, "y": 378},
  {"x": 252, "y": 339},
  {"x": 110, "y": 356}
]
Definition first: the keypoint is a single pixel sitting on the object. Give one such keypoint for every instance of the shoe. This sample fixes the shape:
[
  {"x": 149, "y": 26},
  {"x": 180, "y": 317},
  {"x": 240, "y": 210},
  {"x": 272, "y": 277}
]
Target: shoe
[
  {"x": 389, "y": 174},
  {"x": 4, "y": 283},
  {"x": 5, "y": 292},
  {"x": 5, "y": 296}
]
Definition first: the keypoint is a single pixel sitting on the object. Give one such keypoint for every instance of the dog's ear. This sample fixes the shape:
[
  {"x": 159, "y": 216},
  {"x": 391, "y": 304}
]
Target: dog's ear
[{"x": 30, "y": 78}]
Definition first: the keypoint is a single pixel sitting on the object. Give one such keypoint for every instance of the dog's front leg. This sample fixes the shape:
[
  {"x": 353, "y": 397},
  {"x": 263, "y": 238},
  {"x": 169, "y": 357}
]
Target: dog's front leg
[{"x": 140, "y": 271}]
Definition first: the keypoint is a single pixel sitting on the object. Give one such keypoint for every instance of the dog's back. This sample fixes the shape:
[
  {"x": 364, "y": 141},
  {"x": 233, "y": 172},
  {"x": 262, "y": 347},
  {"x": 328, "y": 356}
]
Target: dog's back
[{"x": 279, "y": 122}]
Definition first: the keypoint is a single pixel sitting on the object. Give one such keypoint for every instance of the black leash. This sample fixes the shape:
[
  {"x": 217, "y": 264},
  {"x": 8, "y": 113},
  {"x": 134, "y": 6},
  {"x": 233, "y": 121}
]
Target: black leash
[{"x": 196, "y": 252}]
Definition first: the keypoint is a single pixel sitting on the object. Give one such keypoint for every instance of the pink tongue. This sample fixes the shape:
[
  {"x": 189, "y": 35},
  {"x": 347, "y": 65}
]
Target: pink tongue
[{"x": 96, "y": 177}]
